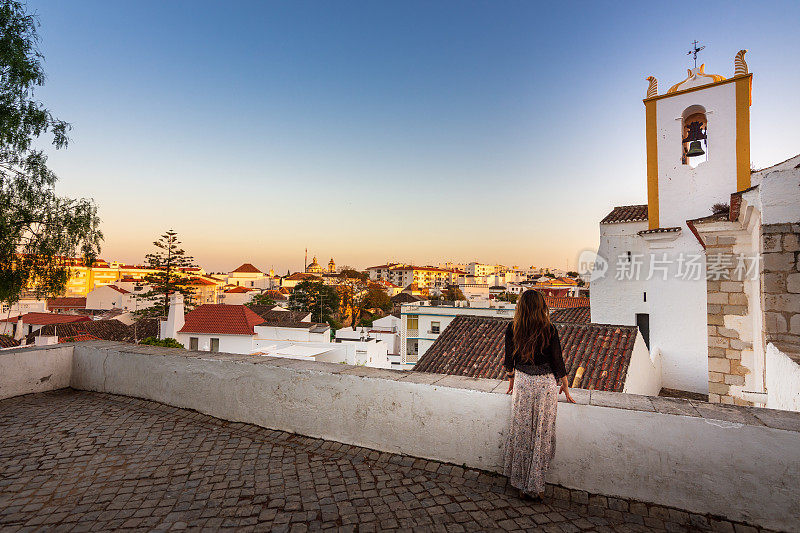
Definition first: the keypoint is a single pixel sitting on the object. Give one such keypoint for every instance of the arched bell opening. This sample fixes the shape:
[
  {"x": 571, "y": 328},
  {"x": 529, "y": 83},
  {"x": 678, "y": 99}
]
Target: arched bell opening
[{"x": 694, "y": 138}]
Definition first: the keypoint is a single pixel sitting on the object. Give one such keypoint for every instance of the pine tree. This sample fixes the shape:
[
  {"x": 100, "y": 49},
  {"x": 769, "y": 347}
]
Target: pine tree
[{"x": 169, "y": 261}]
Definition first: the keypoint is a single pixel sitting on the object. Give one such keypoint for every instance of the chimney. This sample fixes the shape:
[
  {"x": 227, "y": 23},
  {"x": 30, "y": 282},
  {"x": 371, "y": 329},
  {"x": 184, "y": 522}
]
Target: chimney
[
  {"x": 175, "y": 316},
  {"x": 19, "y": 333}
]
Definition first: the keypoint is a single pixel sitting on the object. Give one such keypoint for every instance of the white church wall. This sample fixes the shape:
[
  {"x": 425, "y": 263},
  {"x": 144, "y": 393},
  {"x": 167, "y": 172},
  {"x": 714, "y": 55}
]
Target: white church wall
[
  {"x": 616, "y": 301},
  {"x": 783, "y": 380},
  {"x": 644, "y": 370},
  {"x": 685, "y": 192},
  {"x": 678, "y": 318}
]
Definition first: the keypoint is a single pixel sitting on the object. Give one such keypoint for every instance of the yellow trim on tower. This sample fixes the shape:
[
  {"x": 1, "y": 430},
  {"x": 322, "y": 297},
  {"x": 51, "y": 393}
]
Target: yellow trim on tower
[
  {"x": 744, "y": 89},
  {"x": 652, "y": 162}
]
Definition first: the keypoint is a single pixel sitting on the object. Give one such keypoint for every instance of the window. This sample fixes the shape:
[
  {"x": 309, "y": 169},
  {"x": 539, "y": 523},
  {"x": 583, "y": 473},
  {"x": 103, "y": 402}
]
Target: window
[
  {"x": 412, "y": 322},
  {"x": 214, "y": 345},
  {"x": 645, "y": 296},
  {"x": 193, "y": 343},
  {"x": 435, "y": 327}
]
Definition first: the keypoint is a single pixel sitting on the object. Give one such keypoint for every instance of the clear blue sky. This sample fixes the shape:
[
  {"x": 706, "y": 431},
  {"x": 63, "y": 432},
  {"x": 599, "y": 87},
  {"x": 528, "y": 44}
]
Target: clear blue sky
[{"x": 366, "y": 131}]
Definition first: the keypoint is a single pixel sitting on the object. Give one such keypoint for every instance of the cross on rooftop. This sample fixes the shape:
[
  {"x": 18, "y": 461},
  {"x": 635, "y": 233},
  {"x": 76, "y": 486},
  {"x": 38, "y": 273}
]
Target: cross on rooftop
[{"x": 694, "y": 51}]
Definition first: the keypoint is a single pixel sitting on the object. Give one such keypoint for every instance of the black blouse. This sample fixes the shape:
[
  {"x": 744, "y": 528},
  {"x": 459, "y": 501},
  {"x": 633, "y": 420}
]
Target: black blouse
[{"x": 550, "y": 355}]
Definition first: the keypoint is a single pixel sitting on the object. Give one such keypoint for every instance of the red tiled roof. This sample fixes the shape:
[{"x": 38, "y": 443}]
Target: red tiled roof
[
  {"x": 42, "y": 319},
  {"x": 201, "y": 281},
  {"x": 565, "y": 302},
  {"x": 68, "y": 302},
  {"x": 118, "y": 289},
  {"x": 247, "y": 268},
  {"x": 475, "y": 346},
  {"x": 626, "y": 213},
  {"x": 81, "y": 337},
  {"x": 109, "y": 330},
  {"x": 238, "y": 290},
  {"x": 8, "y": 342},
  {"x": 222, "y": 319},
  {"x": 302, "y": 276},
  {"x": 575, "y": 315}
]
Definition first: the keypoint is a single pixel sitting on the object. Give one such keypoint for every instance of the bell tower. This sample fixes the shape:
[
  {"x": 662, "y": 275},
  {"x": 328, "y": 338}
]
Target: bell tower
[{"x": 698, "y": 143}]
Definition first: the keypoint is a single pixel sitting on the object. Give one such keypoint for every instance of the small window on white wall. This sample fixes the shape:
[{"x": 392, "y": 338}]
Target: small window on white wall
[
  {"x": 193, "y": 343},
  {"x": 214, "y": 345}
]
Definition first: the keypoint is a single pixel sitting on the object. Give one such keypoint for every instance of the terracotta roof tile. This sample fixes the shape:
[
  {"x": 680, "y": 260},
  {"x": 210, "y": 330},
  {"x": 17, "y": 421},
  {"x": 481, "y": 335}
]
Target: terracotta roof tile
[
  {"x": 302, "y": 276},
  {"x": 42, "y": 319},
  {"x": 565, "y": 302},
  {"x": 68, "y": 302},
  {"x": 626, "y": 213},
  {"x": 575, "y": 315},
  {"x": 247, "y": 268},
  {"x": 238, "y": 290},
  {"x": 109, "y": 330},
  {"x": 8, "y": 342},
  {"x": 475, "y": 346},
  {"x": 222, "y": 319},
  {"x": 118, "y": 289}
]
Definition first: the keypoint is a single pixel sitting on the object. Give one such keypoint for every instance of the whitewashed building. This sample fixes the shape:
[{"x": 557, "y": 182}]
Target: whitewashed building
[
  {"x": 671, "y": 266},
  {"x": 422, "y": 322}
]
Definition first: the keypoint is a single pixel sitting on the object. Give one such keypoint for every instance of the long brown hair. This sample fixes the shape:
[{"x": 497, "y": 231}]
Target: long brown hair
[{"x": 532, "y": 331}]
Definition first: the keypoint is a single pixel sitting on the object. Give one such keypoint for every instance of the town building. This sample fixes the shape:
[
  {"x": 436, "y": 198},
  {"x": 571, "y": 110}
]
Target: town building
[
  {"x": 67, "y": 305},
  {"x": 422, "y": 322},
  {"x": 22, "y": 325},
  {"x": 385, "y": 329},
  {"x": 425, "y": 277}
]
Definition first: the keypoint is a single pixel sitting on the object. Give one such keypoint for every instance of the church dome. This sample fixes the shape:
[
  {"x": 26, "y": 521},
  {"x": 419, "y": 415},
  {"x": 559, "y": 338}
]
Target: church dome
[
  {"x": 314, "y": 267},
  {"x": 696, "y": 77}
]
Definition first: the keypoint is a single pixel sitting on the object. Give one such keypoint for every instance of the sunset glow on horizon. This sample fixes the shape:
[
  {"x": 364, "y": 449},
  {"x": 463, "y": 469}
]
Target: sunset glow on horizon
[{"x": 367, "y": 132}]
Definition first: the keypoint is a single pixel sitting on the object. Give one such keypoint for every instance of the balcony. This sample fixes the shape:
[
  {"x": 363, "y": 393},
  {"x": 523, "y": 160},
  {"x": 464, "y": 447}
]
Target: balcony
[{"x": 107, "y": 435}]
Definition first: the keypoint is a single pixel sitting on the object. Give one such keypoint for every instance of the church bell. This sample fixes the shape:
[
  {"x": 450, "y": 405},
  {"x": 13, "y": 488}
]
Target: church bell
[{"x": 694, "y": 149}]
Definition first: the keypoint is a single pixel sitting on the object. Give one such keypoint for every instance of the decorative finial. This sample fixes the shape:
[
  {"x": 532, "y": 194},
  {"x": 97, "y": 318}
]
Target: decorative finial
[
  {"x": 652, "y": 89},
  {"x": 694, "y": 51},
  {"x": 739, "y": 64}
]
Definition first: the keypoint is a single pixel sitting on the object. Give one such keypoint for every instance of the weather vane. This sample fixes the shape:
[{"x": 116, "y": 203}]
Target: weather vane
[{"x": 694, "y": 51}]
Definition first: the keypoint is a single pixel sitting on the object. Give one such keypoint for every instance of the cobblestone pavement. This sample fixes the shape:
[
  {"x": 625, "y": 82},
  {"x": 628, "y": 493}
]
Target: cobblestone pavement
[{"x": 79, "y": 461}]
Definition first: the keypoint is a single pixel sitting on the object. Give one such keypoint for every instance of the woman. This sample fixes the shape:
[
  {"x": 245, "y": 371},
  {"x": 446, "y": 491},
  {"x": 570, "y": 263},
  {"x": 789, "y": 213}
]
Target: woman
[{"x": 534, "y": 366}]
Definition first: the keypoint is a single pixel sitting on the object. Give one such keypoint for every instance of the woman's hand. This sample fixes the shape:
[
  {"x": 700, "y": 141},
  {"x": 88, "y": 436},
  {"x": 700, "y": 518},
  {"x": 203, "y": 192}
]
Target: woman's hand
[
  {"x": 510, "y": 384},
  {"x": 565, "y": 390}
]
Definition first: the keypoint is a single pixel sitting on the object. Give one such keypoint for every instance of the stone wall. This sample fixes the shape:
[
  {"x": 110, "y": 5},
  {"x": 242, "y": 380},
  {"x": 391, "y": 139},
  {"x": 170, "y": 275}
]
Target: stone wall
[
  {"x": 727, "y": 306},
  {"x": 780, "y": 246}
]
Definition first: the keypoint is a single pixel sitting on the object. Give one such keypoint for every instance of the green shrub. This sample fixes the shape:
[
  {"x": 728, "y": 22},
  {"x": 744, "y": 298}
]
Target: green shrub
[{"x": 169, "y": 342}]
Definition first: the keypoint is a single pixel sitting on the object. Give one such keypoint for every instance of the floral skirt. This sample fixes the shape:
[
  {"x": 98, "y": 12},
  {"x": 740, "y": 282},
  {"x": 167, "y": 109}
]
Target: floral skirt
[{"x": 531, "y": 442}]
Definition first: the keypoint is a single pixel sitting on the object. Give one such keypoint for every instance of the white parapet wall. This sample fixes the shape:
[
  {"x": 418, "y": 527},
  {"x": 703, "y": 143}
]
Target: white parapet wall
[
  {"x": 34, "y": 369},
  {"x": 783, "y": 380},
  {"x": 738, "y": 462}
]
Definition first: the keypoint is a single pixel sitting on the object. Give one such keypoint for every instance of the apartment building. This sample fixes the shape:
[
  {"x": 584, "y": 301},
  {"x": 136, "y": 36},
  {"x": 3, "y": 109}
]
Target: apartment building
[
  {"x": 422, "y": 322},
  {"x": 425, "y": 277}
]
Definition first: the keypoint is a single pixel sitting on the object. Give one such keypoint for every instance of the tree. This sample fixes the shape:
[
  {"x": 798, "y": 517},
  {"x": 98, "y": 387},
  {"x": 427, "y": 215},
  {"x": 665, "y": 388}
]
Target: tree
[
  {"x": 507, "y": 297},
  {"x": 261, "y": 299},
  {"x": 453, "y": 294},
  {"x": 376, "y": 297},
  {"x": 169, "y": 278},
  {"x": 314, "y": 297},
  {"x": 350, "y": 272},
  {"x": 39, "y": 231}
]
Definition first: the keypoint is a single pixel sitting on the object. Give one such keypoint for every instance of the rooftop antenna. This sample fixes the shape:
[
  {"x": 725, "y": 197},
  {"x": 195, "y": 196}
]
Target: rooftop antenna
[{"x": 694, "y": 51}]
